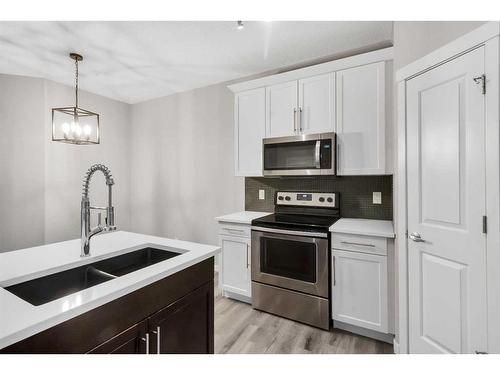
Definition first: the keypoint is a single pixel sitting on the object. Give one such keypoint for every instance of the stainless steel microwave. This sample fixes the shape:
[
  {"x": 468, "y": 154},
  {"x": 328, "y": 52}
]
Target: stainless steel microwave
[{"x": 300, "y": 155}]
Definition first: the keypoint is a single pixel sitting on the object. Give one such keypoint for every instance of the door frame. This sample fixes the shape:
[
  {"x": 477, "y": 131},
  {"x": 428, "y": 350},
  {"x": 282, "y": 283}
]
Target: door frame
[{"x": 487, "y": 36}]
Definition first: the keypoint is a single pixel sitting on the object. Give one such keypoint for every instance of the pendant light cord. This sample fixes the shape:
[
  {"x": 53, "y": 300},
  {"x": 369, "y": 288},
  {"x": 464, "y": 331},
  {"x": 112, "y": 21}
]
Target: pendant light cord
[{"x": 76, "y": 83}]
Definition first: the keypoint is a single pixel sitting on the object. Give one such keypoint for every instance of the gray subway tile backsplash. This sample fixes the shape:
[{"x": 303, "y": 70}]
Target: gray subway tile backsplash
[{"x": 355, "y": 193}]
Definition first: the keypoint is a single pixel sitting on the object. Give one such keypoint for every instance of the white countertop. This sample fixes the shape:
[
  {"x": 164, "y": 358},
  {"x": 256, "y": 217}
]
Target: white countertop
[
  {"x": 19, "y": 319},
  {"x": 367, "y": 227},
  {"x": 243, "y": 217}
]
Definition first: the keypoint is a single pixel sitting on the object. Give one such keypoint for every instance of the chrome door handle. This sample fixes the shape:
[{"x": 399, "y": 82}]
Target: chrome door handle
[
  {"x": 158, "y": 339},
  {"x": 146, "y": 339},
  {"x": 295, "y": 120},
  {"x": 415, "y": 236}
]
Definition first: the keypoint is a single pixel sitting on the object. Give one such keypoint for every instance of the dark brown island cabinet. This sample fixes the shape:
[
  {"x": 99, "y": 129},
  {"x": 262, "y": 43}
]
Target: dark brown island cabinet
[{"x": 174, "y": 315}]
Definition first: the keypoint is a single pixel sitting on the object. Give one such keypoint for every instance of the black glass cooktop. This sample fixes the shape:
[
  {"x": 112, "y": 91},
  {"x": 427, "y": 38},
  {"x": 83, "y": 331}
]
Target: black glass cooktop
[{"x": 296, "y": 221}]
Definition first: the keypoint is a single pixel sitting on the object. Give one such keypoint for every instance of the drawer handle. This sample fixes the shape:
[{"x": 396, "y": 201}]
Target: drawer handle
[
  {"x": 235, "y": 230},
  {"x": 357, "y": 244}
]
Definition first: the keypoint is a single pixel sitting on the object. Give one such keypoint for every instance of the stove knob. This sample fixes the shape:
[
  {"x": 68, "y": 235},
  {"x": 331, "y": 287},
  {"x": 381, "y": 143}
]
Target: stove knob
[
  {"x": 280, "y": 197},
  {"x": 330, "y": 200},
  {"x": 287, "y": 198},
  {"x": 321, "y": 199}
]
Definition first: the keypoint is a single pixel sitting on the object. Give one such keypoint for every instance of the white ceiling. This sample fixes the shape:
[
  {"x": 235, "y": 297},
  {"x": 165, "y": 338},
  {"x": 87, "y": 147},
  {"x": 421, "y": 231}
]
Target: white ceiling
[{"x": 137, "y": 61}]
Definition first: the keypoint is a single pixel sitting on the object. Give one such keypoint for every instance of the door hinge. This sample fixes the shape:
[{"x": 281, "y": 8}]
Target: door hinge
[
  {"x": 485, "y": 224},
  {"x": 481, "y": 80}
]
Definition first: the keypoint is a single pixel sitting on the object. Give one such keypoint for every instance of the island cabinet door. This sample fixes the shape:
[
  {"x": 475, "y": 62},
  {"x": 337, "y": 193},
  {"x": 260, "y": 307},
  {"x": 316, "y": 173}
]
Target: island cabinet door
[
  {"x": 130, "y": 341},
  {"x": 186, "y": 326}
]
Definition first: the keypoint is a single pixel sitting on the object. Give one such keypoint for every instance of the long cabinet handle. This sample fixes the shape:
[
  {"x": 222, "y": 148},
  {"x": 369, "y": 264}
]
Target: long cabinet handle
[
  {"x": 247, "y": 256},
  {"x": 334, "y": 272},
  {"x": 235, "y": 230},
  {"x": 158, "y": 339},
  {"x": 295, "y": 120},
  {"x": 300, "y": 119},
  {"x": 357, "y": 244},
  {"x": 146, "y": 339}
]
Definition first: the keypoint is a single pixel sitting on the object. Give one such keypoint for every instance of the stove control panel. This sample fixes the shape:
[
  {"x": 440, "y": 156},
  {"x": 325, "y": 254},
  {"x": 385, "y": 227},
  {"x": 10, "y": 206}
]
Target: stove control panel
[{"x": 289, "y": 198}]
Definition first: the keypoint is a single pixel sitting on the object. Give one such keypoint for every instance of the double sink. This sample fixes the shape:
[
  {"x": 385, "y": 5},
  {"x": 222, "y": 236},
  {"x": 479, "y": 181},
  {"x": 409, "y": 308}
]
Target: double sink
[{"x": 51, "y": 287}]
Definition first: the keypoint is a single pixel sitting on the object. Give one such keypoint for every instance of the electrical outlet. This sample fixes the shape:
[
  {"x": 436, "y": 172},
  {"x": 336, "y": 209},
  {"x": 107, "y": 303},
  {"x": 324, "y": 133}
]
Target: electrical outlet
[
  {"x": 377, "y": 197},
  {"x": 262, "y": 194}
]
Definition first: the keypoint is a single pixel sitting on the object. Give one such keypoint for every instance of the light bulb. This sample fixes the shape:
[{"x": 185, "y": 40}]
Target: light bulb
[
  {"x": 87, "y": 130},
  {"x": 65, "y": 128}
]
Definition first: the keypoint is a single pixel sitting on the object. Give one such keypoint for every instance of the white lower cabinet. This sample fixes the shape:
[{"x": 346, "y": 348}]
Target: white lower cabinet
[
  {"x": 235, "y": 275},
  {"x": 359, "y": 292}
]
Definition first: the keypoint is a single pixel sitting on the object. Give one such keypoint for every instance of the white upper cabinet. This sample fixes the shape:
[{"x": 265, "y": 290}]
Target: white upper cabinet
[
  {"x": 361, "y": 120},
  {"x": 316, "y": 109},
  {"x": 350, "y": 96},
  {"x": 250, "y": 124},
  {"x": 281, "y": 109}
]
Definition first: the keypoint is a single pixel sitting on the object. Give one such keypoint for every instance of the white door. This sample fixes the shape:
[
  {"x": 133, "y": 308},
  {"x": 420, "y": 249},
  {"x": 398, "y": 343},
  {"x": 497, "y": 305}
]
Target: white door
[
  {"x": 446, "y": 203},
  {"x": 250, "y": 127},
  {"x": 236, "y": 265},
  {"x": 359, "y": 293},
  {"x": 281, "y": 108},
  {"x": 316, "y": 104},
  {"x": 361, "y": 120}
]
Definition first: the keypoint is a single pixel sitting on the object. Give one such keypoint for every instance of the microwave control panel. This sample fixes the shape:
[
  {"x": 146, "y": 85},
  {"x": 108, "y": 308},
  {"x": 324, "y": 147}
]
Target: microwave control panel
[{"x": 294, "y": 198}]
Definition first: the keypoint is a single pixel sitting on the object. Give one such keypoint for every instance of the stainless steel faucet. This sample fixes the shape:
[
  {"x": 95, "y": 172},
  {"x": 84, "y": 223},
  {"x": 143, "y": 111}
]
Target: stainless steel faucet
[{"x": 86, "y": 232}]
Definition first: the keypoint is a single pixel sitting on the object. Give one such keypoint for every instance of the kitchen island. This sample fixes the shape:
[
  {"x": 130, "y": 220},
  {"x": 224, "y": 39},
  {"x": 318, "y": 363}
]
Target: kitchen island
[{"x": 165, "y": 307}]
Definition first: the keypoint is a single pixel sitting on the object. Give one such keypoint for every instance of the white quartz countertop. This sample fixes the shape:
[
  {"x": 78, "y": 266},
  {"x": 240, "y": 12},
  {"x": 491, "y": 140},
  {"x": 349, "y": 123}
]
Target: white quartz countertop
[
  {"x": 243, "y": 217},
  {"x": 19, "y": 319},
  {"x": 367, "y": 227}
]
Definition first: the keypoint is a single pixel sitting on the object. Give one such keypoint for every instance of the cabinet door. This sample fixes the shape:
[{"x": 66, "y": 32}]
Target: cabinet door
[
  {"x": 250, "y": 127},
  {"x": 316, "y": 104},
  {"x": 130, "y": 341},
  {"x": 359, "y": 293},
  {"x": 361, "y": 120},
  {"x": 186, "y": 326},
  {"x": 236, "y": 277},
  {"x": 281, "y": 109}
]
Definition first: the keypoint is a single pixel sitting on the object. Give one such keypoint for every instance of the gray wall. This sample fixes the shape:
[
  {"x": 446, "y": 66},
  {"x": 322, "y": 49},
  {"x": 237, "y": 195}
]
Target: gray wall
[
  {"x": 40, "y": 180},
  {"x": 415, "y": 39},
  {"x": 182, "y": 164}
]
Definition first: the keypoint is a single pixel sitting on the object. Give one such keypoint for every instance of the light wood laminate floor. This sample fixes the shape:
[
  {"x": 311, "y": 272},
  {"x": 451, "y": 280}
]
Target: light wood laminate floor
[{"x": 239, "y": 329}]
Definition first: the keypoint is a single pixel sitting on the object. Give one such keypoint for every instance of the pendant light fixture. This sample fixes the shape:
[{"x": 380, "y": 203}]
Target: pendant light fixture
[{"x": 73, "y": 124}]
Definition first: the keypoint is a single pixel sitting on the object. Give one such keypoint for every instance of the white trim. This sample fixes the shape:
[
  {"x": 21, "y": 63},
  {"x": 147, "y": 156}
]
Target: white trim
[
  {"x": 401, "y": 223},
  {"x": 331, "y": 66},
  {"x": 487, "y": 35},
  {"x": 492, "y": 147},
  {"x": 474, "y": 38}
]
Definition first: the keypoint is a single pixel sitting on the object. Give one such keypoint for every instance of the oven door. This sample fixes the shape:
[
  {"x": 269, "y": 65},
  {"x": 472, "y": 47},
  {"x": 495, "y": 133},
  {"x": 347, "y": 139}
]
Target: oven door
[{"x": 290, "y": 259}]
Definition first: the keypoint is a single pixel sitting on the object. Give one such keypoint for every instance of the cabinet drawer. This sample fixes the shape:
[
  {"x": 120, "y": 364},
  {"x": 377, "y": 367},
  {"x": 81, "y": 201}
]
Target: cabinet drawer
[
  {"x": 359, "y": 243},
  {"x": 240, "y": 230}
]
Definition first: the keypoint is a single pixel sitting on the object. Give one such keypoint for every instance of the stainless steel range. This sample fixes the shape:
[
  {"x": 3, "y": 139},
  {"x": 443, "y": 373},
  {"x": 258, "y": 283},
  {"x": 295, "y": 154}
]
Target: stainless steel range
[{"x": 290, "y": 257}]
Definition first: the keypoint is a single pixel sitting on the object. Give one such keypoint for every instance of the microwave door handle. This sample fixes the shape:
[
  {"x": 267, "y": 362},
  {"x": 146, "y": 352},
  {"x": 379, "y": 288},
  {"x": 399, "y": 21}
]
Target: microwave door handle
[{"x": 317, "y": 155}]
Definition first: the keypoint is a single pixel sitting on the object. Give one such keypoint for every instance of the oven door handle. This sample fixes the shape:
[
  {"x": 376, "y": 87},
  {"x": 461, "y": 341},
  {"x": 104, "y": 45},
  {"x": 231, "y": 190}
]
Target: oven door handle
[
  {"x": 291, "y": 232},
  {"x": 317, "y": 155}
]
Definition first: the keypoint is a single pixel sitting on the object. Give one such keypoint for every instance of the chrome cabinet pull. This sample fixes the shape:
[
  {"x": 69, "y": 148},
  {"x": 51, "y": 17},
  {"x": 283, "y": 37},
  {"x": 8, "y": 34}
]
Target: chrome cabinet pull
[
  {"x": 334, "y": 272},
  {"x": 158, "y": 339},
  {"x": 247, "y": 256},
  {"x": 415, "y": 236},
  {"x": 300, "y": 119},
  {"x": 146, "y": 339},
  {"x": 357, "y": 244},
  {"x": 235, "y": 230},
  {"x": 295, "y": 120}
]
